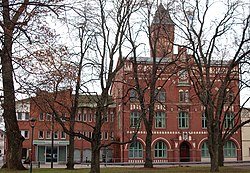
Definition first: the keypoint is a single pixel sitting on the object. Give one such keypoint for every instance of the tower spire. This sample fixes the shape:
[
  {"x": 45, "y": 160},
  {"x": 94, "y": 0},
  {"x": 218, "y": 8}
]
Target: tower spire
[
  {"x": 162, "y": 16},
  {"x": 162, "y": 33}
]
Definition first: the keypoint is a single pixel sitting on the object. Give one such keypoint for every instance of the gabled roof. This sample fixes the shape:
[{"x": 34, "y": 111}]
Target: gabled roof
[{"x": 162, "y": 16}]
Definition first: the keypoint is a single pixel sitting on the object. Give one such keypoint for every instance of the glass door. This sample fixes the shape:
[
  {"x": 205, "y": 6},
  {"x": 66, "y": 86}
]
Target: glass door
[{"x": 48, "y": 154}]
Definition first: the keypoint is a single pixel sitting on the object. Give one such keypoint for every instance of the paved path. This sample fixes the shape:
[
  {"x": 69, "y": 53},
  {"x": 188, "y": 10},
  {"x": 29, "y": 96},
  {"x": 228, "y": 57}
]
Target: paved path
[{"x": 242, "y": 165}]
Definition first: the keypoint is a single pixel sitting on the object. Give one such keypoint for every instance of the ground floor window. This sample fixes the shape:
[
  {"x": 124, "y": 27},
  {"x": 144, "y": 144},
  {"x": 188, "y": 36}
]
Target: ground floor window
[
  {"x": 77, "y": 155},
  {"x": 230, "y": 149},
  {"x": 160, "y": 150},
  {"x": 44, "y": 154},
  {"x": 135, "y": 150},
  {"x": 204, "y": 149}
]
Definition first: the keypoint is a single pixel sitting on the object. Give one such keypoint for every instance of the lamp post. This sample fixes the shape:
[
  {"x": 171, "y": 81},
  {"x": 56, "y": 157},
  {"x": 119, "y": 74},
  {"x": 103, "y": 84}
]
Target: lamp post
[
  {"x": 32, "y": 125},
  {"x": 52, "y": 142}
]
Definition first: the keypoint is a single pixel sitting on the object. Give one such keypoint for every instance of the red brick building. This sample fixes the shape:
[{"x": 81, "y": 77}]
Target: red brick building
[
  {"x": 41, "y": 108},
  {"x": 179, "y": 128}
]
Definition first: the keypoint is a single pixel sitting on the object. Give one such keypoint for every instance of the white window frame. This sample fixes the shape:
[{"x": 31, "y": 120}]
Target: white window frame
[{"x": 40, "y": 134}]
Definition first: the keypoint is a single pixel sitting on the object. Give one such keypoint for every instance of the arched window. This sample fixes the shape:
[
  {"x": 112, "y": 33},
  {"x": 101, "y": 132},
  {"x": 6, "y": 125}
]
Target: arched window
[
  {"x": 160, "y": 150},
  {"x": 230, "y": 149},
  {"x": 135, "y": 150},
  {"x": 204, "y": 149},
  {"x": 183, "y": 96}
]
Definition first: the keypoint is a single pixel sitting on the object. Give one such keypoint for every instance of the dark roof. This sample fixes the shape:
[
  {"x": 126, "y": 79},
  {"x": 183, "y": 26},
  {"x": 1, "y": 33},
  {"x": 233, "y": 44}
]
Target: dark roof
[
  {"x": 162, "y": 16},
  {"x": 91, "y": 101},
  {"x": 149, "y": 60}
]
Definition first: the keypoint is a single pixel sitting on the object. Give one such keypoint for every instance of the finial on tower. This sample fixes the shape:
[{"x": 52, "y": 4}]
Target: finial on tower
[{"x": 162, "y": 15}]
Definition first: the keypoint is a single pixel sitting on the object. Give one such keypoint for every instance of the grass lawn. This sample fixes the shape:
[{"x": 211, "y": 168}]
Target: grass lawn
[{"x": 134, "y": 170}]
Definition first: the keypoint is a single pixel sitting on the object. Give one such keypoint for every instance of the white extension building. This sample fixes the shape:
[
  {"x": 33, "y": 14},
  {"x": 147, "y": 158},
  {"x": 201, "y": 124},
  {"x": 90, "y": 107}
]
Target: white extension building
[{"x": 245, "y": 115}]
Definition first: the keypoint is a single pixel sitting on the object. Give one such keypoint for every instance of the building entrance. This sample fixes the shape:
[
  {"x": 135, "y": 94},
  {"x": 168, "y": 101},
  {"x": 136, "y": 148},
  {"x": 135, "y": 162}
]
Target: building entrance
[
  {"x": 184, "y": 152},
  {"x": 48, "y": 154}
]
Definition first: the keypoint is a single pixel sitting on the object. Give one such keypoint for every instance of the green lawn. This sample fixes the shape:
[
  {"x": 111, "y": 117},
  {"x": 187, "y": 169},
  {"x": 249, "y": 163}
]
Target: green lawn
[{"x": 134, "y": 170}]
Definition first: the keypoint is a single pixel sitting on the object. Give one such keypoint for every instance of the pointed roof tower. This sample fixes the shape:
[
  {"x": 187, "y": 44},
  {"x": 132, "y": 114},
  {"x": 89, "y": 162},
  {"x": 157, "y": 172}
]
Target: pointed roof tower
[
  {"x": 162, "y": 16},
  {"x": 162, "y": 33}
]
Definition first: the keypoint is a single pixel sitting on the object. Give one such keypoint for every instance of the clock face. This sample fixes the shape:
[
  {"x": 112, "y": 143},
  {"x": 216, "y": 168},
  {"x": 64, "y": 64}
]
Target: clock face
[{"x": 183, "y": 74}]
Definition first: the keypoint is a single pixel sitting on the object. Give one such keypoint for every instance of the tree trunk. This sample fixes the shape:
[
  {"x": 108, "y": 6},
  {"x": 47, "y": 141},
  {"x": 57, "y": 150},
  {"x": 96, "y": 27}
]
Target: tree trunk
[
  {"x": 14, "y": 137},
  {"x": 95, "y": 160},
  {"x": 148, "y": 161},
  {"x": 70, "y": 163},
  {"x": 214, "y": 155},
  {"x": 214, "y": 146},
  {"x": 214, "y": 162},
  {"x": 221, "y": 155}
]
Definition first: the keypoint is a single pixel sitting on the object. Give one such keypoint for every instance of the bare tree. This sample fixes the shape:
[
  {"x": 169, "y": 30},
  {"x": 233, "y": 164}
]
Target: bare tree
[
  {"x": 15, "y": 21},
  {"x": 215, "y": 65},
  {"x": 102, "y": 42},
  {"x": 146, "y": 71}
]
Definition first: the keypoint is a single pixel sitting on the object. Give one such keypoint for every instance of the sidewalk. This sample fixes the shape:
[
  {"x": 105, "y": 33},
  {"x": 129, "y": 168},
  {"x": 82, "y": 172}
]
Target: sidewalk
[{"x": 244, "y": 165}]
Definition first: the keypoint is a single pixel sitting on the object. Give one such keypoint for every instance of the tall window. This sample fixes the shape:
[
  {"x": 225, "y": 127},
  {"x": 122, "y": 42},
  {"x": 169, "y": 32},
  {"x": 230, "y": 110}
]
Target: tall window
[
  {"x": 84, "y": 117},
  {"x": 160, "y": 120},
  {"x": 230, "y": 149},
  {"x": 27, "y": 116},
  {"x": 79, "y": 117},
  {"x": 203, "y": 120},
  {"x": 119, "y": 120},
  {"x": 90, "y": 117},
  {"x": 41, "y": 135},
  {"x": 183, "y": 120},
  {"x": 135, "y": 150},
  {"x": 160, "y": 95},
  {"x": 48, "y": 134},
  {"x": 229, "y": 120},
  {"x": 183, "y": 96},
  {"x": 41, "y": 117},
  {"x": 134, "y": 119},
  {"x": 63, "y": 135},
  {"x": 25, "y": 133},
  {"x": 19, "y": 116},
  {"x": 160, "y": 149},
  {"x": 111, "y": 116},
  {"x": 106, "y": 136},
  {"x": 56, "y": 134},
  {"x": 204, "y": 149}
]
